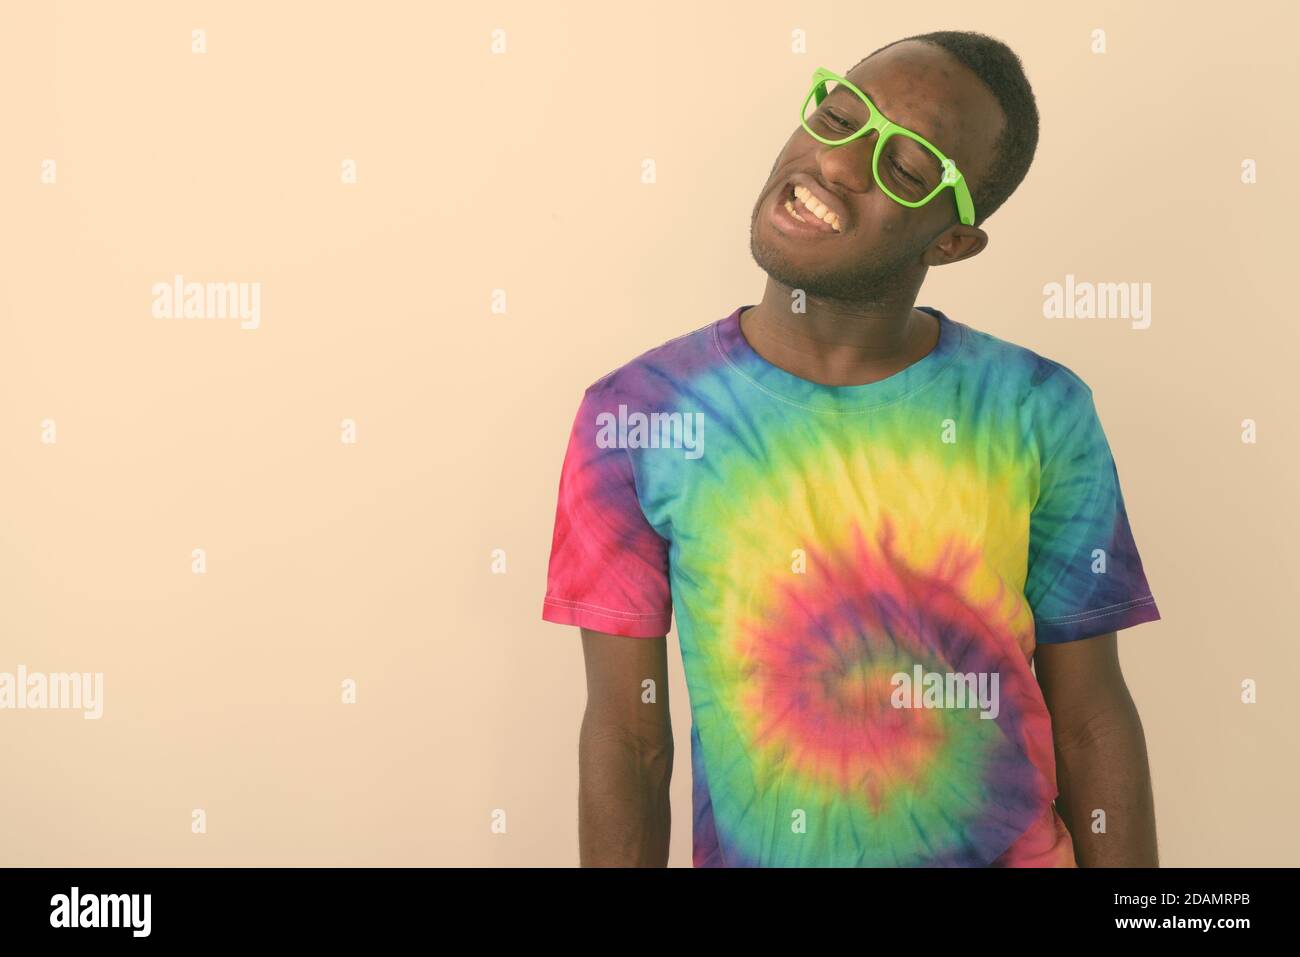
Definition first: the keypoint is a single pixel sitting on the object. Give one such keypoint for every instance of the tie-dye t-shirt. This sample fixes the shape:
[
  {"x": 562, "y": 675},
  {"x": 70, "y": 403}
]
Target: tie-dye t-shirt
[{"x": 860, "y": 575}]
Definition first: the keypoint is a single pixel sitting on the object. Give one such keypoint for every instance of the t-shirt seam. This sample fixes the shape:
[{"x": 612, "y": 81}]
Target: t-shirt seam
[
  {"x": 956, "y": 352},
  {"x": 1054, "y": 453},
  {"x": 1147, "y": 599},
  {"x": 631, "y": 466},
  {"x": 1047, "y": 457},
  {"x": 612, "y": 612}
]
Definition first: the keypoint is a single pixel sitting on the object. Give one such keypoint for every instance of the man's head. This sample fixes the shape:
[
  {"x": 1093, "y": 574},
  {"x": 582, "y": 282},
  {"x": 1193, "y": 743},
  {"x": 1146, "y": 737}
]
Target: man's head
[{"x": 967, "y": 94}]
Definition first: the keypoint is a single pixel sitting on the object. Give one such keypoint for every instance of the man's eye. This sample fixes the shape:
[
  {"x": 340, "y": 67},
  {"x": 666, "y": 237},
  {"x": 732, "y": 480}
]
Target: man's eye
[
  {"x": 904, "y": 173},
  {"x": 839, "y": 120}
]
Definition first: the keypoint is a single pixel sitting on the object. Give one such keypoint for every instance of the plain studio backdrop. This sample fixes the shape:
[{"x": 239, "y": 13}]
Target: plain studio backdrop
[{"x": 389, "y": 175}]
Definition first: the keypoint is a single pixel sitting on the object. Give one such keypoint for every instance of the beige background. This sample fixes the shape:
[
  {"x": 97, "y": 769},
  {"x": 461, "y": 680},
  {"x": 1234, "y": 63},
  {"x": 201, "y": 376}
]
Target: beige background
[{"x": 521, "y": 171}]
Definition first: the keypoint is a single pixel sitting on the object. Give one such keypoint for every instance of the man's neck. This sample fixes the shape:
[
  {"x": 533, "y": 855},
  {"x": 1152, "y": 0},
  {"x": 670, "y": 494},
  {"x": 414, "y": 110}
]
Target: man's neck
[{"x": 837, "y": 346}]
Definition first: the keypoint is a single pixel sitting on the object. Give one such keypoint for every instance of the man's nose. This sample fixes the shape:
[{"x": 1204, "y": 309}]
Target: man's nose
[{"x": 850, "y": 163}]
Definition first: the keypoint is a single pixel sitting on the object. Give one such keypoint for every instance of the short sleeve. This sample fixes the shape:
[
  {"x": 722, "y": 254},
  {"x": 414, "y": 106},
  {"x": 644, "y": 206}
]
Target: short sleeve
[
  {"x": 1085, "y": 576},
  {"x": 609, "y": 567}
]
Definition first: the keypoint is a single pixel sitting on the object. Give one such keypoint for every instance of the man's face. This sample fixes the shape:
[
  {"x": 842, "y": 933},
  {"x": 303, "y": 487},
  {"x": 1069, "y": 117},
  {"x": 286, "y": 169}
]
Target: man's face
[{"x": 920, "y": 87}]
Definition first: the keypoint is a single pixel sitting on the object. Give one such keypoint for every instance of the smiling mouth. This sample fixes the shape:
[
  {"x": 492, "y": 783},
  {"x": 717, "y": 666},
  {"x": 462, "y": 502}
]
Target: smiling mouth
[{"x": 803, "y": 206}]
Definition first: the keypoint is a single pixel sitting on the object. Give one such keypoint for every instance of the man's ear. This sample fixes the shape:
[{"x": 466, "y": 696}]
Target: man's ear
[{"x": 958, "y": 243}]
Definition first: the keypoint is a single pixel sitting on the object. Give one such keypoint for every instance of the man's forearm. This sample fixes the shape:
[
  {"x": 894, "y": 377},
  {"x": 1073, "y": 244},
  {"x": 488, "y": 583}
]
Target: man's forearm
[
  {"x": 1104, "y": 768},
  {"x": 624, "y": 816}
]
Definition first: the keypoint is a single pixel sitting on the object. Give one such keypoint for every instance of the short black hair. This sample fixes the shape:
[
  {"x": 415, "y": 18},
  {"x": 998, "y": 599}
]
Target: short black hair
[{"x": 1002, "y": 72}]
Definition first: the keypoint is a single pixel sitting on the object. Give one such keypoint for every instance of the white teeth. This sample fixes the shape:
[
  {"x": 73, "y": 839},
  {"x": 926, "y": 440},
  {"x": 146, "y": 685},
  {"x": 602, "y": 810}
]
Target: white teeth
[{"x": 816, "y": 207}]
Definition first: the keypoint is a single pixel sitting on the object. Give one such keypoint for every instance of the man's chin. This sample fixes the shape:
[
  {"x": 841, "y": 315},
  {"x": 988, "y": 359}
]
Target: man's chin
[
  {"x": 788, "y": 274},
  {"x": 855, "y": 284}
]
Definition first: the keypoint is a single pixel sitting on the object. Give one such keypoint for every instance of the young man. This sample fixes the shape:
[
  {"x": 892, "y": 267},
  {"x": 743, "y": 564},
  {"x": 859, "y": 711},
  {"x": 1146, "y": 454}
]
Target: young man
[{"x": 869, "y": 519}]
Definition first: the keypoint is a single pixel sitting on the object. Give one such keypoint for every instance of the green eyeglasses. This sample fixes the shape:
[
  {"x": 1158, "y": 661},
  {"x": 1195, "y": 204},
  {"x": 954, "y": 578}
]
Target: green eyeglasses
[{"x": 906, "y": 166}]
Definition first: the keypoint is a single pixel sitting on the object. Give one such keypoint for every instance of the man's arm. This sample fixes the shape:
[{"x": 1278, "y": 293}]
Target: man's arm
[
  {"x": 1101, "y": 756},
  {"x": 625, "y": 753}
]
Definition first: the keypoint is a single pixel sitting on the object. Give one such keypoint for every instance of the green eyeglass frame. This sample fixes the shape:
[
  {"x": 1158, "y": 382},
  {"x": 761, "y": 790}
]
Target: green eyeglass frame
[{"x": 952, "y": 177}]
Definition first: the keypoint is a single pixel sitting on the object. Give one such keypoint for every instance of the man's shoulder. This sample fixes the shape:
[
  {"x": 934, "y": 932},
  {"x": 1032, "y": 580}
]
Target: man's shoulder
[
  {"x": 663, "y": 369},
  {"x": 1035, "y": 373},
  {"x": 1050, "y": 400}
]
